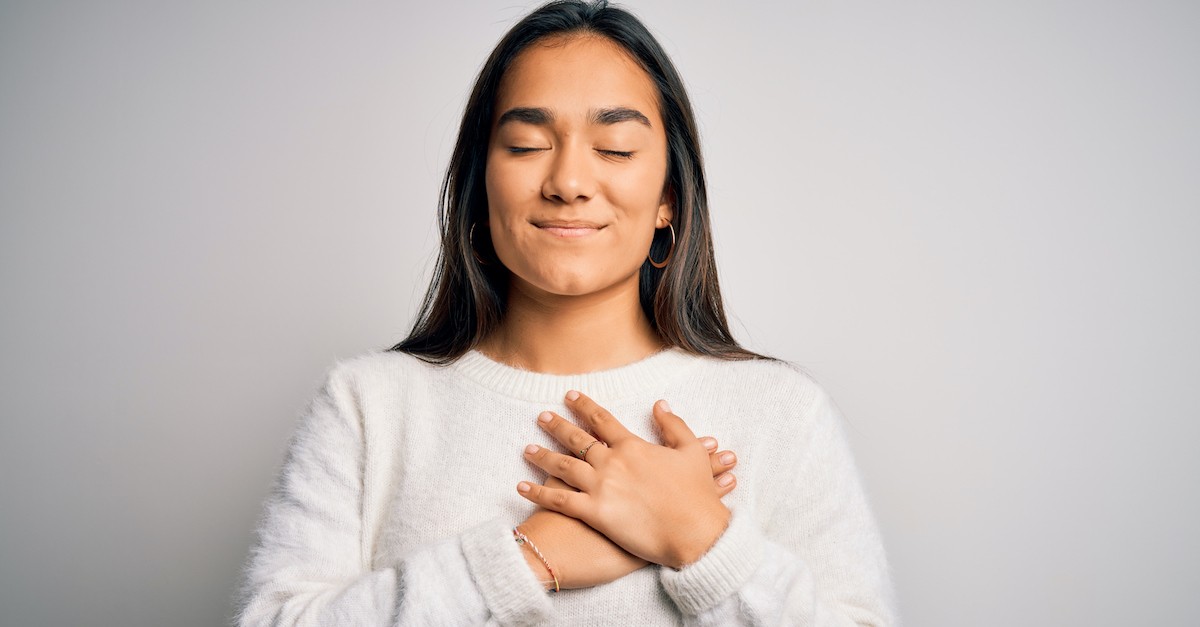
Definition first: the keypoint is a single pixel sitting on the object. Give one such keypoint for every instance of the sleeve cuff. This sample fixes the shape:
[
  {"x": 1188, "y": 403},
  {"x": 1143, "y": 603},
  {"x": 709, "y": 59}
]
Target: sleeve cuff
[
  {"x": 508, "y": 586},
  {"x": 719, "y": 573}
]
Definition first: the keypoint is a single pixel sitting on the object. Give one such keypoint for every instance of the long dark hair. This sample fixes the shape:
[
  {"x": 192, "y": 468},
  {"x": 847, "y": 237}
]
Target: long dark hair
[{"x": 466, "y": 299}]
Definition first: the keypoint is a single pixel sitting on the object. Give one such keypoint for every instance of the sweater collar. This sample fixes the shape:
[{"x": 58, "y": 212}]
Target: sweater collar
[{"x": 649, "y": 374}]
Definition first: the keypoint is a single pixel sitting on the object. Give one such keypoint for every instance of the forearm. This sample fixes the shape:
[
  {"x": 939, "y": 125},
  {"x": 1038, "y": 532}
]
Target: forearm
[
  {"x": 746, "y": 579},
  {"x": 818, "y": 559},
  {"x": 310, "y": 566},
  {"x": 482, "y": 569}
]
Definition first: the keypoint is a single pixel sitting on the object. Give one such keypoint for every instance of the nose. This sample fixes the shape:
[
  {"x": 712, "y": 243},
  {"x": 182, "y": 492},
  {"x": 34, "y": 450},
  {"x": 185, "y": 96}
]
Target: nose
[{"x": 570, "y": 177}]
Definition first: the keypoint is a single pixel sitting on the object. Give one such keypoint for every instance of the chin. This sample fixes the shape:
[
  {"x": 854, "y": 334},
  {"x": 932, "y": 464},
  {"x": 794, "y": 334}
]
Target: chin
[
  {"x": 570, "y": 284},
  {"x": 567, "y": 286},
  {"x": 568, "y": 274}
]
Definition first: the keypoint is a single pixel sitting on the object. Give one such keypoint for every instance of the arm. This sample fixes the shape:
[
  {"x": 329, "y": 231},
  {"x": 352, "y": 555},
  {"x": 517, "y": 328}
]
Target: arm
[
  {"x": 312, "y": 564},
  {"x": 591, "y": 559},
  {"x": 821, "y": 560}
]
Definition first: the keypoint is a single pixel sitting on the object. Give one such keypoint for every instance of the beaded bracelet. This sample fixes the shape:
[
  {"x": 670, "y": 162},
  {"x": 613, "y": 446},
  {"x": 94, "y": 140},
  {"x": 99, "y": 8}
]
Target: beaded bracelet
[{"x": 523, "y": 539}]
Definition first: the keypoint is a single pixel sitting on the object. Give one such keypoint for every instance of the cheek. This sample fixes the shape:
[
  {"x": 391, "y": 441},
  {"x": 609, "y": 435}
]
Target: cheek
[
  {"x": 639, "y": 194},
  {"x": 643, "y": 185},
  {"x": 637, "y": 243},
  {"x": 494, "y": 183},
  {"x": 504, "y": 189},
  {"x": 507, "y": 193}
]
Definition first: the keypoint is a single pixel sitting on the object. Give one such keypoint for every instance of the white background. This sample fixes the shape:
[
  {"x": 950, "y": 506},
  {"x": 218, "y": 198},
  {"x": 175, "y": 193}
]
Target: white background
[{"x": 976, "y": 223}]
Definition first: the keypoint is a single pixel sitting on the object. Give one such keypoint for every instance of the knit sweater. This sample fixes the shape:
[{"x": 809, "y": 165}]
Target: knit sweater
[{"x": 396, "y": 500}]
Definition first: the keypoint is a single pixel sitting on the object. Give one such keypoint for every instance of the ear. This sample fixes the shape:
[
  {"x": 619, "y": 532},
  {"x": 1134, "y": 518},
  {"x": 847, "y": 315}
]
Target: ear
[{"x": 666, "y": 209}]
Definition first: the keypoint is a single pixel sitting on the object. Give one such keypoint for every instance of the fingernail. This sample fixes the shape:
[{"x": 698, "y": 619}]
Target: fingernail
[
  {"x": 723, "y": 481},
  {"x": 533, "y": 448},
  {"x": 545, "y": 417},
  {"x": 726, "y": 458},
  {"x": 522, "y": 487},
  {"x": 709, "y": 443},
  {"x": 572, "y": 395},
  {"x": 663, "y": 405}
]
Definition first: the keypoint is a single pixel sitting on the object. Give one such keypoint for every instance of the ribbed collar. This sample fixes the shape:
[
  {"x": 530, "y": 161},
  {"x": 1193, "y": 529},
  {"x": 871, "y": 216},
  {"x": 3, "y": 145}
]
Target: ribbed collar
[{"x": 651, "y": 373}]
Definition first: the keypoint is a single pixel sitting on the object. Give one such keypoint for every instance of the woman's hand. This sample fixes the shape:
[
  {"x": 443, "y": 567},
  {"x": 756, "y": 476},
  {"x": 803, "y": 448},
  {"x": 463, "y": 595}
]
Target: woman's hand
[
  {"x": 656, "y": 502},
  {"x": 583, "y": 557}
]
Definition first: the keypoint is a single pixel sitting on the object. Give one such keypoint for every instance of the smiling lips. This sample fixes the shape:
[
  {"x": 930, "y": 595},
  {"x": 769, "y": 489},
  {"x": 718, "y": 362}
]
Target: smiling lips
[{"x": 569, "y": 228}]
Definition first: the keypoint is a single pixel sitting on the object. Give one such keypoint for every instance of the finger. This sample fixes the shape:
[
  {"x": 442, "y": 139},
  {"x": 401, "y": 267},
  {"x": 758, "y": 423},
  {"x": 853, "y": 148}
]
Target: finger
[
  {"x": 710, "y": 443},
  {"x": 554, "y": 482},
  {"x": 570, "y": 435},
  {"x": 731, "y": 483},
  {"x": 602, "y": 423},
  {"x": 675, "y": 432},
  {"x": 570, "y": 469},
  {"x": 563, "y": 501},
  {"x": 722, "y": 461}
]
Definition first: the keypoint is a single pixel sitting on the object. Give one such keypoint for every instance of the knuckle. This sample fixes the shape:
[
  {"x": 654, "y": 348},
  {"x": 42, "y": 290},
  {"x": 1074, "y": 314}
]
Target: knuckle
[
  {"x": 579, "y": 439},
  {"x": 619, "y": 465},
  {"x": 560, "y": 499},
  {"x": 597, "y": 415},
  {"x": 567, "y": 430},
  {"x": 566, "y": 464},
  {"x": 602, "y": 511}
]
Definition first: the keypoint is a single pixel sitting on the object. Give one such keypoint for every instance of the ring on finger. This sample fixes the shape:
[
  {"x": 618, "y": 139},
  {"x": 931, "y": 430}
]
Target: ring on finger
[{"x": 582, "y": 453}]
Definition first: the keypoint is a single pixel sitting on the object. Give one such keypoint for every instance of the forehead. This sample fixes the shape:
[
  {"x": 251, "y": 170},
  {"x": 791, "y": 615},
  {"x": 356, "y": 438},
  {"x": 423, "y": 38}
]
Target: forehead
[{"x": 574, "y": 74}]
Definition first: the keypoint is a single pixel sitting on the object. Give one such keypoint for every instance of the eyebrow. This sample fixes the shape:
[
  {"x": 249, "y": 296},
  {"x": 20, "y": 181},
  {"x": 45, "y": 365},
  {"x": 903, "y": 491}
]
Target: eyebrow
[{"x": 539, "y": 116}]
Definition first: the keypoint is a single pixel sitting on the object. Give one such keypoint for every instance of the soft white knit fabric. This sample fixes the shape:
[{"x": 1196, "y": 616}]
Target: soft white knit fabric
[{"x": 397, "y": 498}]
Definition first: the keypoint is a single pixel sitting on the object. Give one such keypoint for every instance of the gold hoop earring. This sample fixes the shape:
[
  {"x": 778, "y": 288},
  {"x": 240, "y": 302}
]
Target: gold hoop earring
[
  {"x": 663, "y": 263},
  {"x": 471, "y": 242}
]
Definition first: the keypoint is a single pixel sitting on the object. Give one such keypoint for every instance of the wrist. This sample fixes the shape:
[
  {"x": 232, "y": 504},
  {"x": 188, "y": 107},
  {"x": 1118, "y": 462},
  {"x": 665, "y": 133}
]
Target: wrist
[
  {"x": 542, "y": 570},
  {"x": 539, "y": 569},
  {"x": 698, "y": 544}
]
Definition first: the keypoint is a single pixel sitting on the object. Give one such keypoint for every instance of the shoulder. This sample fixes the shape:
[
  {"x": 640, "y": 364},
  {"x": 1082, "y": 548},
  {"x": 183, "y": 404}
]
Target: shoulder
[
  {"x": 374, "y": 369},
  {"x": 768, "y": 379},
  {"x": 375, "y": 361},
  {"x": 369, "y": 388}
]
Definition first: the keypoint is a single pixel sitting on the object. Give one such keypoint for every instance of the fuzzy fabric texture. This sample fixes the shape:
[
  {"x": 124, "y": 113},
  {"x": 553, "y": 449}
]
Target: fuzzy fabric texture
[{"x": 397, "y": 497}]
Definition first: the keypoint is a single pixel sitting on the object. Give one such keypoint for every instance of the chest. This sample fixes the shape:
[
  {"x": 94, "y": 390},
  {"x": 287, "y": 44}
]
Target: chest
[{"x": 454, "y": 461}]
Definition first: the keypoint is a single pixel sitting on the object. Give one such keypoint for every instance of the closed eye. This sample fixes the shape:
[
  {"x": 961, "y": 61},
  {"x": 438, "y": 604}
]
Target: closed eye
[
  {"x": 617, "y": 153},
  {"x": 522, "y": 149}
]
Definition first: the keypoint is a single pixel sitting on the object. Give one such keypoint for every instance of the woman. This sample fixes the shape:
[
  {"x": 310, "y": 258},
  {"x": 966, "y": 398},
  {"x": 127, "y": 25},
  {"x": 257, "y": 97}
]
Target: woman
[{"x": 575, "y": 294}]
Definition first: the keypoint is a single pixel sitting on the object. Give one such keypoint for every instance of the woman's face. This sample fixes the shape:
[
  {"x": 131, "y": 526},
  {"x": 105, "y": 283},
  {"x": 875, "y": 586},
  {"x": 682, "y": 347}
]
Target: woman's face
[{"x": 576, "y": 168}]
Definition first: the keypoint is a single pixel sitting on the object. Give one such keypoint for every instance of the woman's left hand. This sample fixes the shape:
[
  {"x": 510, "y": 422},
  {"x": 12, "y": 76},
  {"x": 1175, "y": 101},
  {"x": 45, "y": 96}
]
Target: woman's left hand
[{"x": 656, "y": 502}]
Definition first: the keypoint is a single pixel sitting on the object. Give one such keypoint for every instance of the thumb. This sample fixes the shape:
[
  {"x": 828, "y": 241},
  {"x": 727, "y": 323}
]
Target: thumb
[{"x": 674, "y": 430}]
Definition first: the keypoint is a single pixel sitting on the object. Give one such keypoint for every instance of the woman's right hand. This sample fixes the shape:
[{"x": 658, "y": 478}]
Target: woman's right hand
[{"x": 583, "y": 557}]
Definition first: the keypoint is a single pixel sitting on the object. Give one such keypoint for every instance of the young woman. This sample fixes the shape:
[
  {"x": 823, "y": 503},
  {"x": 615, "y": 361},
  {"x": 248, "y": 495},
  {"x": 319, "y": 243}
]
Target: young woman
[{"x": 574, "y": 332}]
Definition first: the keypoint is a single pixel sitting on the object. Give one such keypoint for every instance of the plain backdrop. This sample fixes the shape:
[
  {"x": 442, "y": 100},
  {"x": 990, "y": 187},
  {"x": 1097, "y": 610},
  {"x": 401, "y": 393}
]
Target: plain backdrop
[{"x": 977, "y": 223}]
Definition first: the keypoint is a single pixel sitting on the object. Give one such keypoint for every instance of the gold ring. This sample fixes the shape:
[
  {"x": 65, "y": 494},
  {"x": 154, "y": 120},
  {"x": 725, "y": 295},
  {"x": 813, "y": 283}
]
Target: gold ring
[{"x": 583, "y": 451}]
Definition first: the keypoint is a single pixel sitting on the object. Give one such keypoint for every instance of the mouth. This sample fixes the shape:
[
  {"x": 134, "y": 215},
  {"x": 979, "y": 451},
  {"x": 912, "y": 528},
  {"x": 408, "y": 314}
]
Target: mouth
[{"x": 569, "y": 228}]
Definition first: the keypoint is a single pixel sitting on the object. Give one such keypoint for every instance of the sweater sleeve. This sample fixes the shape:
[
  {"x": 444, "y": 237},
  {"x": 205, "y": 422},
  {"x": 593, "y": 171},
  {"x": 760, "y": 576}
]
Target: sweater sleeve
[
  {"x": 312, "y": 562},
  {"x": 820, "y": 560}
]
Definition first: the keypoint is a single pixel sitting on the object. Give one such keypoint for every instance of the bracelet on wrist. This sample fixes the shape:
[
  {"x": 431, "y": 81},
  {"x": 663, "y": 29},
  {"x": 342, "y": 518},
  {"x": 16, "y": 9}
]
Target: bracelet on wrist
[{"x": 523, "y": 539}]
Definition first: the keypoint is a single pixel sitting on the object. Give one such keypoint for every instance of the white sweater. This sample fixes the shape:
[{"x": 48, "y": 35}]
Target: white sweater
[{"x": 397, "y": 498}]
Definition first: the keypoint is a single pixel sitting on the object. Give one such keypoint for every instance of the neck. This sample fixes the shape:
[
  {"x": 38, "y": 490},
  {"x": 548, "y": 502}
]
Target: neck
[{"x": 557, "y": 334}]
